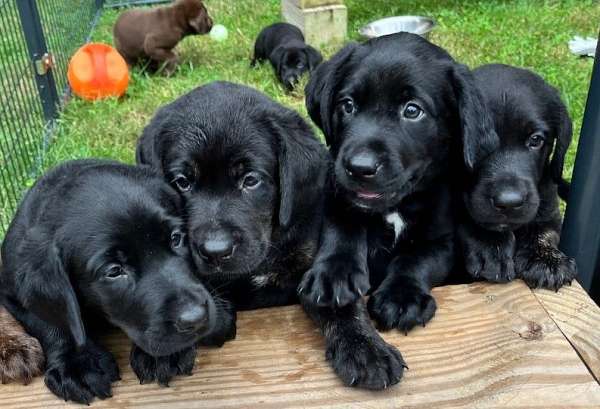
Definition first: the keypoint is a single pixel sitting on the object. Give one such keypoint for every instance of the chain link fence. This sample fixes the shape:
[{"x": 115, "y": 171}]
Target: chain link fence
[{"x": 37, "y": 39}]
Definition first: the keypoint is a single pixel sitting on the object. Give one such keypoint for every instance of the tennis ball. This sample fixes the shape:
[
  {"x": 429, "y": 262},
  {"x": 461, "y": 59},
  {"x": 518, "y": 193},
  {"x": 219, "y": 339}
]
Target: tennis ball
[{"x": 218, "y": 33}]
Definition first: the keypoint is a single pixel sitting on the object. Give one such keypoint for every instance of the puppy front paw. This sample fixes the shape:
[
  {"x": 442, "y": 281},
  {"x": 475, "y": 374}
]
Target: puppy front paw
[
  {"x": 545, "y": 267},
  {"x": 490, "y": 260},
  {"x": 83, "y": 375},
  {"x": 334, "y": 282},
  {"x": 402, "y": 307},
  {"x": 21, "y": 355},
  {"x": 366, "y": 361},
  {"x": 163, "y": 368}
]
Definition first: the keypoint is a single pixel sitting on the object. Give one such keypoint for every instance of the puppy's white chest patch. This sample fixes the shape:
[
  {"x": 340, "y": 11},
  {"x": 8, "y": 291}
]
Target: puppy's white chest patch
[{"x": 396, "y": 221}]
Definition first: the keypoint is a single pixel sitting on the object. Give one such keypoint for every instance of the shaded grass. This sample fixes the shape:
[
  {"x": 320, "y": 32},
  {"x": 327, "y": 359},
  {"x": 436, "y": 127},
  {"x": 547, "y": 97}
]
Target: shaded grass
[{"x": 527, "y": 33}]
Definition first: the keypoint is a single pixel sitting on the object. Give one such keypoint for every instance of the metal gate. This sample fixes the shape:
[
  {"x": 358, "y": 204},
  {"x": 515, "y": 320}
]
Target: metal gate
[{"x": 36, "y": 40}]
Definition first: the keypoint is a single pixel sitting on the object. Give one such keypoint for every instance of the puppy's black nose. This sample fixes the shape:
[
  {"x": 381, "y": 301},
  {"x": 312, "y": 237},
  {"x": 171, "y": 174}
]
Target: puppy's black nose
[
  {"x": 363, "y": 165},
  {"x": 217, "y": 247},
  {"x": 508, "y": 199},
  {"x": 192, "y": 319}
]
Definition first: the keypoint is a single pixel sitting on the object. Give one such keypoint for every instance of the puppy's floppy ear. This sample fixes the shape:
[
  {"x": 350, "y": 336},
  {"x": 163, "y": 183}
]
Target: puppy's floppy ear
[
  {"x": 479, "y": 137},
  {"x": 313, "y": 57},
  {"x": 320, "y": 90},
  {"x": 276, "y": 57},
  {"x": 46, "y": 291},
  {"x": 564, "y": 135},
  {"x": 149, "y": 145},
  {"x": 302, "y": 168},
  {"x": 144, "y": 151}
]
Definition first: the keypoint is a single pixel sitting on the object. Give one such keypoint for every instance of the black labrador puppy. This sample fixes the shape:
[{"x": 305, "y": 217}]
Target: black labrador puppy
[
  {"x": 394, "y": 111},
  {"x": 97, "y": 239},
  {"x": 283, "y": 45},
  {"x": 512, "y": 222},
  {"x": 251, "y": 174}
]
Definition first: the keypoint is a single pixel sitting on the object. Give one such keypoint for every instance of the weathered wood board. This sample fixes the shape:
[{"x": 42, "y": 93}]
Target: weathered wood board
[
  {"x": 578, "y": 317},
  {"x": 489, "y": 346}
]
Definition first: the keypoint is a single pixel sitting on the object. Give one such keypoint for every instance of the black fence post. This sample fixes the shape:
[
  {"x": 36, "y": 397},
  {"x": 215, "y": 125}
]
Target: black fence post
[
  {"x": 581, "y": 230},
  {"x": 41, "y": 59}
]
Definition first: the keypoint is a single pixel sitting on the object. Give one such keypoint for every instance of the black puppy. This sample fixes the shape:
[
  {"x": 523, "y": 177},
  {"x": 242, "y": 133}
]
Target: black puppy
[
  {"x": 393, "y": 110},
  {"x": 512, "y": 225},
  {"x": 252, "y": 175},
  {"x": 100, "y": 239},
  {"x": 283, "y": 45}
]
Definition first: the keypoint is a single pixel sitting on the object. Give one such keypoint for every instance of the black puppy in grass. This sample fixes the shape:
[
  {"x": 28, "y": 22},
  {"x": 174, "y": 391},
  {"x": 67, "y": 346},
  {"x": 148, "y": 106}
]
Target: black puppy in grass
[
  {"x": 100, "y": 240},
  {"x": 283, "y": 45},
  {"x": 252, "y": 175},
  {"x": 512, "y": 222},
  {"x": 395, "y": 112}
]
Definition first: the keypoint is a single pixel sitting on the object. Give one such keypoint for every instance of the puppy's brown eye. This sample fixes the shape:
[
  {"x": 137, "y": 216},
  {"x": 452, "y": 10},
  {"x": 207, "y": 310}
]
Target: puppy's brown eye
[
  {"x": 348, "y": 106},
  {"x": 535, "y": 141},
  {"x": 251, "y": 180},
  {"x": 182, "y": 183},
  {"x": 115, "y": 271},
  {"x": 176, "y": 239},
  {"x": 412, "y": 111}
]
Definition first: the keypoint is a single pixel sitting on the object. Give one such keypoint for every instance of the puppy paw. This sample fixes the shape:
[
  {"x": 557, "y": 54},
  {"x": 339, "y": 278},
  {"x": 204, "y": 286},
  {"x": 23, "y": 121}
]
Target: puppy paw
[
  {"x": 549, "y": 268},
  {"x": 334, "y": 283},
  {"x": 366, "y": 361},
  {"x": 83, "y": 375},
  {"x": 402, "y": 308},
  {"x": 163, "y": 368},
  {"x": 21, "y": 355},
  {"x": 492, "y": 262}
]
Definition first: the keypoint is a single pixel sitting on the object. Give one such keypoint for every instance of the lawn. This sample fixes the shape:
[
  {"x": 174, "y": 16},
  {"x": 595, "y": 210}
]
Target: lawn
[{"x": 526, "y": 33}]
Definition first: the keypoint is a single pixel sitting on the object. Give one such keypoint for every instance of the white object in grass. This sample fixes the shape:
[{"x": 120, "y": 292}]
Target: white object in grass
[
  {"x": 218, "y": 32},
  {"x": 583, "y": 46}
]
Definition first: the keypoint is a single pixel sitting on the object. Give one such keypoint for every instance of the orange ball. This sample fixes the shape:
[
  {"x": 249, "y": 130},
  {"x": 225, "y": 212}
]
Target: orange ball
[{"x": 98, "y": 71}]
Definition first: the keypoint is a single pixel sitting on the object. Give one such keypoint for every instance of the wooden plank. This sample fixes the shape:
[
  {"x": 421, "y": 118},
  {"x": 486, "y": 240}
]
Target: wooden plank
[
  {"x": 578, "y": 317},
  {"x": 488, "y": 346}
]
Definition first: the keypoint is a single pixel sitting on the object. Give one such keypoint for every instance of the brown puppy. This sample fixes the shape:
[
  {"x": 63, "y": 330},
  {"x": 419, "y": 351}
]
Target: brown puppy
[
  {"x": 151, "y": 34},
  {"x": 21, "y": 355}
]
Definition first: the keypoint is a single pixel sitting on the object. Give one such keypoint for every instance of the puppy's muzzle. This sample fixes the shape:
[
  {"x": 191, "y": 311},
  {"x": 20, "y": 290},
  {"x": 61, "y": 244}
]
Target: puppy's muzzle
[
  {"x": 217, "y": 247},
  {"x": 192, "y": 318},
  {"x": 362, "y": 166},
  {"x": 509, "y": 199},
  {"x": 208, "y": 24}
]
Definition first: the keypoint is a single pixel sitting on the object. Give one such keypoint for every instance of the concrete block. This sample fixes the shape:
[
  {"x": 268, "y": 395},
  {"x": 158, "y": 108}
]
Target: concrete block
[{"x": 323, "y": 25}]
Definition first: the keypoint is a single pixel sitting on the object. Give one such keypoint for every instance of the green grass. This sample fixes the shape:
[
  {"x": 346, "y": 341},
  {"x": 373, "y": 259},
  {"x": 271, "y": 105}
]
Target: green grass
[{"x": 527, "y": 33}]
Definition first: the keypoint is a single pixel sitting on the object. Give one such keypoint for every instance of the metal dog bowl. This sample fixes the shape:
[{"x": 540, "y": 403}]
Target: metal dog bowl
[{"x": 390, "y": 25}]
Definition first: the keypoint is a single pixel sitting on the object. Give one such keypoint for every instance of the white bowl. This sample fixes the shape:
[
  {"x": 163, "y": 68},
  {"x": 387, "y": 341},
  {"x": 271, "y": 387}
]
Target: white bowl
[{"x": 411, "y": 24}]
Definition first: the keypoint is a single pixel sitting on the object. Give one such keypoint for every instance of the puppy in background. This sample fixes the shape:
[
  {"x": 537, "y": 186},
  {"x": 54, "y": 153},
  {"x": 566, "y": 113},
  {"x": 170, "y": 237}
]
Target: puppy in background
[
  {"x": 283, "y": 45},
  {"x": 511, "y": 226},
  {"x": 151, "y": 34},
  {"x": 97, "y": 241}
]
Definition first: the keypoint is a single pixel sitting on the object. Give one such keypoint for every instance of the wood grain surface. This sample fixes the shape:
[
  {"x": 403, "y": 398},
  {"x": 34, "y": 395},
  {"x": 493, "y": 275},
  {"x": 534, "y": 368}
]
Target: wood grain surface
[
  {"x": 489, "y": 346},
  {"x": 578, "y": 317}
]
